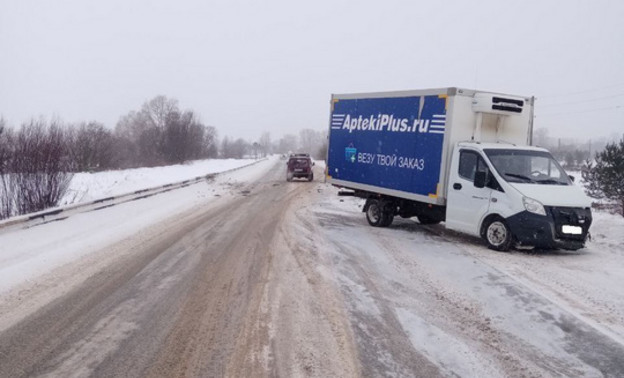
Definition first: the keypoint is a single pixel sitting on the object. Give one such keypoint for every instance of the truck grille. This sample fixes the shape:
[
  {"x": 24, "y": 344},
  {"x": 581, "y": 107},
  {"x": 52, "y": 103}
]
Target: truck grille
[{"x": 571, "y": 216}]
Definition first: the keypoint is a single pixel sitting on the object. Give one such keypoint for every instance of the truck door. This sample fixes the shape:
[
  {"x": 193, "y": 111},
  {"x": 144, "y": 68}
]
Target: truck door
[{"x": 467, "y": 204}]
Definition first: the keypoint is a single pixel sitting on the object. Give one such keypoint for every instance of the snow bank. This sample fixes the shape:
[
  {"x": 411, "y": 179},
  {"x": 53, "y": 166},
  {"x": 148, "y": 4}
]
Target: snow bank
[{"x": 90, "y": 186}]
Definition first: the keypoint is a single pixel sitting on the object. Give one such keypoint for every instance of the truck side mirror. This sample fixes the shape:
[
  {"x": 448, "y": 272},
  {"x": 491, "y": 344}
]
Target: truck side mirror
[
  {"x": 479, "y": 179},
  {"x": 571, "y": 178}
]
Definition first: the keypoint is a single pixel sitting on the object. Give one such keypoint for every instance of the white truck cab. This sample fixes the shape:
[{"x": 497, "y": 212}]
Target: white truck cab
[{"x": 515, "y": 194}]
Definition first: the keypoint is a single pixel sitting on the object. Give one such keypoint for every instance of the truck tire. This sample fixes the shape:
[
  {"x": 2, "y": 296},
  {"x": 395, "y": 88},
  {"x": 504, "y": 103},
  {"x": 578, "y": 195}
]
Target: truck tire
[
  {"x": 497, "y": 235},
  {"x": 289, "y": 176},
  {"x": 388, "y": 213},
  {"x": 374, "y": 213},
  {"x": 311, "y": 177},
  {"x": 379, "y": 213},
  {"x": 425, "y": 219},
  {"x": 387, "y": 220}
]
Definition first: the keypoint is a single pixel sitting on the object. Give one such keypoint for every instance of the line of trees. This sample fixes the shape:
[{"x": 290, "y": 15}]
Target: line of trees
[
  {"x": 38, "y": 160},
  {"x": 310, "y": 141},
  {"x": 572, "y": 154},
  {"x": 600, "y": 160},
  {"x": 160, "y": 133}
]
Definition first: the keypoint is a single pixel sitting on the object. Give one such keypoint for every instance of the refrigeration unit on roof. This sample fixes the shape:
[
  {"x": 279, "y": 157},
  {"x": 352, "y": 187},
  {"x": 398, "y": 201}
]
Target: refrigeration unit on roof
[{"x": 497, "y": 104}]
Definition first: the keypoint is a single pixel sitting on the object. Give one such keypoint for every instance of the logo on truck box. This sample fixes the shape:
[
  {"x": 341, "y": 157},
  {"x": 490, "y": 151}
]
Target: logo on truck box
[
  {"x": 350, "y": 153},
  {"x": 389, "y": 122}
]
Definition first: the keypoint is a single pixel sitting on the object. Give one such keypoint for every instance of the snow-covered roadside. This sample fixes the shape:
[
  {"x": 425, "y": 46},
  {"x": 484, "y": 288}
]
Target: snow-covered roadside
[
  {"x": 584, "y": 282},
  {"x": 91, "y": 186},
  {"x": 33, "y": 260},
  {"x": 607, "y": 231},
  {"x": 469, "y": 310}
]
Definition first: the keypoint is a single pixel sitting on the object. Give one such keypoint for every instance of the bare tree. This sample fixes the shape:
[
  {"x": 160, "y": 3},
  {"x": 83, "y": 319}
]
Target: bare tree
[
  {"x": 5, "y": 143},
  {"x": 311, "y": 141},
  {"x": 131, "y": 126},
  {"x": 210, "y": 142},
  {"x": 150, "y": 148},
  {"x": 161, "y": 133},
  {"x": 226, "y": 147},
  {"x": 183, "y": 137},
  {"x": 91, "y": 147},
  {"x": 288, "y": 143},
  {"x": 143, "y": 140},
  {"x": 233, "y": 149},
  {"x": 175, "y": 137},
  {"x": 265, "y": 143},
  {"x": 125, "y": 153},
  {"x": 158, "y": 110},
  {"x": 239, "y": 148},
  {"x": 6, "y": 151},
  {"x": 38, "y": 172}
]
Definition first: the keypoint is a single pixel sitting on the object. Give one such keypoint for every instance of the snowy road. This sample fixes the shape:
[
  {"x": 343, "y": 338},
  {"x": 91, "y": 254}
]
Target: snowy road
[
  {"x": 419, "y": 293},
  {"x": 253, "y": 276}
]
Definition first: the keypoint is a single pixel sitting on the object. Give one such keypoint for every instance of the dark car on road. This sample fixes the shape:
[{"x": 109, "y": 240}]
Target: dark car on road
[{"x": 299, "y": 166}]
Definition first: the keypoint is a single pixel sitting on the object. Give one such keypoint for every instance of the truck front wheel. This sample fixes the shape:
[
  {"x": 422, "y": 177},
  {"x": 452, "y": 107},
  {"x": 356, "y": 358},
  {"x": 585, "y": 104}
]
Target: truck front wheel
[{"x": 498, "y": 235}]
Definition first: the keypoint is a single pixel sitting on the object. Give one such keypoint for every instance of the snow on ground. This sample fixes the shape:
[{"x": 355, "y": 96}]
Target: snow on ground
[
  {"x": 411, "y": 290},
  {"x": 607, "y": 231},
  {"x": 470, "y": 310},
  {"x": 87, "y": 186},
  {"x": 26, "y": 255}
]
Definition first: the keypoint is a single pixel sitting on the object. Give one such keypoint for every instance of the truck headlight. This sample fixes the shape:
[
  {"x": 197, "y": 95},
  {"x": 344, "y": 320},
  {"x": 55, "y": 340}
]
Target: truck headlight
[{"x": 533, "y": 206}]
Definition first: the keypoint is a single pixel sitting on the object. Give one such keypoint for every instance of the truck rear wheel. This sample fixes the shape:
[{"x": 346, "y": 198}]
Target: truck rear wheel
[
  {"x": 378, "y": 213},
  {"x": 374, "y": 215},
  {"x": 498, "y": 235}
]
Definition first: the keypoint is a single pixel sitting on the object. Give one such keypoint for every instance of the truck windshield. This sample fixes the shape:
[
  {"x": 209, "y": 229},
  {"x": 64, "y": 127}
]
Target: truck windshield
[{"x": 526, "y": 166}]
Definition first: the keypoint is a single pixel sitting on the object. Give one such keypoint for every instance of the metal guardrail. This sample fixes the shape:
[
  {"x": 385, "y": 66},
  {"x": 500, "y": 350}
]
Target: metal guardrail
[{"x": 63, "y": 212}]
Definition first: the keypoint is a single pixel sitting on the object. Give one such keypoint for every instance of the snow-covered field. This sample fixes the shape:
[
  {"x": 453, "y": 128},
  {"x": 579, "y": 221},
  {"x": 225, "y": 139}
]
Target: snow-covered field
[{"x": 91, "y": 186}]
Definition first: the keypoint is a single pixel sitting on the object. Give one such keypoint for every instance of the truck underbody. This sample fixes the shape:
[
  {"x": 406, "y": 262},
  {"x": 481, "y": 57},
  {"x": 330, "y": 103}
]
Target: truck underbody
[
  {"x": 381, "y": 209},
  {"x": 526, "y": 230}
]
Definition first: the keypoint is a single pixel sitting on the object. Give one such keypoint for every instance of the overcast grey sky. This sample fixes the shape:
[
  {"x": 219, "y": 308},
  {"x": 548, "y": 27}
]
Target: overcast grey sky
[{"x": 250, "y": 66}]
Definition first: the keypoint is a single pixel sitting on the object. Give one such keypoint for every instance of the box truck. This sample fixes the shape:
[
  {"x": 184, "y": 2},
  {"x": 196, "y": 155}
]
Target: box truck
[{"x": 459, "y": 156}]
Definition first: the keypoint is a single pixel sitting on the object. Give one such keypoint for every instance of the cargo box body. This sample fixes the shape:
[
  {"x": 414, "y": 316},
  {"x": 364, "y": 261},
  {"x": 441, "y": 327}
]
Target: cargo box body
[{"x": 399, "y": 143}]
